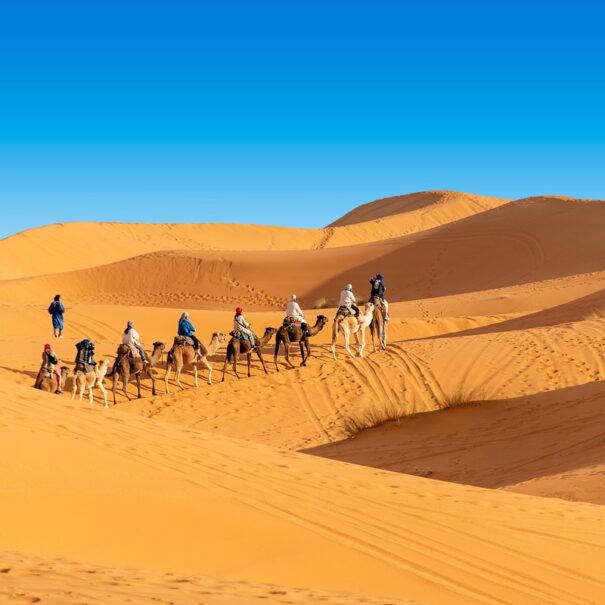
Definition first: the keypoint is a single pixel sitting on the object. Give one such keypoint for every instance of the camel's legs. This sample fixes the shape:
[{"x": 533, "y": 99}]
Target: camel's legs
[
  {"x": 225, "y": 367},
  {"x": 103, "y": 392},
  {"x": 114, "y": 385},
  {"x": 308, "y": 348},
  {"x": 302, "y": 352},
  {"x": 287, "y": 353},
  {"x": 209, "y": 367},
  {"x": 138, "y": 384},
  {"x": 125, "y": 381},
  {"x": 151, "y": 375},
  {"x": 347, "y": 342},
  {"x": 249, "y": 361},
  {"x": 167, "y": 376},
  {"x": 177, "y": 377},
  {"x": 260, "y": 356},
  {"x": 235, "y": 359},
  {"x": 276, "y": 352},
  {"x": 195, "y": 374},
  {"x": 90, "y": 395},
  {"x": 363, "y": 341}
]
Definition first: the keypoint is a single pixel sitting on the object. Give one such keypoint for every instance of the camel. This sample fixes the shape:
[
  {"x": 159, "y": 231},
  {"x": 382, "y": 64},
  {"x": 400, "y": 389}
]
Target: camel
[
  {"x": 352, "y": 325},
  {"x": 378, "y": 325},
  {"x": 126, "y": 366},
  {"x": 90, "y": 380},
  {"x": 47, "y": 380},
  {"x": 182, "y": 355},
  {"x": 237, "y": 347},
  {"x": 295, "y": 334}
]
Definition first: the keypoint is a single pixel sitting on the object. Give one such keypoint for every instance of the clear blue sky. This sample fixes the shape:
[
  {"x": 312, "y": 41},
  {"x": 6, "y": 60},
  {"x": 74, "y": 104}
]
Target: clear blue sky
[{"x": 292, "y": 113}]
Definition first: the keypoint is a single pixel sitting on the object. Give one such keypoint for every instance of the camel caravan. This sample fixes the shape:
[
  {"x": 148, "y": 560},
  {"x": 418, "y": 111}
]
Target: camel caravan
[{"x": 187, "y": 351}]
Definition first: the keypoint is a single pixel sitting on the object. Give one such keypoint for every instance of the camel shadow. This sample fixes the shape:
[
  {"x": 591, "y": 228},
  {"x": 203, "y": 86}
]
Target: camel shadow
[{"x": 28, "y": 373}]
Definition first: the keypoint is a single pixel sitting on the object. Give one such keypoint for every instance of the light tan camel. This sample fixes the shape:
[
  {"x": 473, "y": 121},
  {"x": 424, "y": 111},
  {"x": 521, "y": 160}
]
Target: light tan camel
[
  {"x": 90, "y": 380},
  {"x": 47, "y": 380},
  {"x": 237, "y": 347},
  {"x": 286, "y": 336},
  {"x": 181, "y": 355},
  {"x": 378, "y": 325},
  {"x": 352, "y": 325}
]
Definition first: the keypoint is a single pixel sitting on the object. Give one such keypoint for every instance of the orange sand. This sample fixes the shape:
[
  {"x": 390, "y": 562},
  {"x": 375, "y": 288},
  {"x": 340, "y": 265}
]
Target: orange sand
[{"x": 205, "y": 495}]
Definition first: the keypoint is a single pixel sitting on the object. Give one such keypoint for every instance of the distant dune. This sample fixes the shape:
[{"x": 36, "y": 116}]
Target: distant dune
[{"x": 254, "y": 490}]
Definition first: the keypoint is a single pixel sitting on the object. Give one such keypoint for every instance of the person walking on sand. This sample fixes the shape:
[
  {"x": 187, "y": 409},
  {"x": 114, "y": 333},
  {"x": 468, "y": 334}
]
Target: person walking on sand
[{"x": 56, "y": 310}]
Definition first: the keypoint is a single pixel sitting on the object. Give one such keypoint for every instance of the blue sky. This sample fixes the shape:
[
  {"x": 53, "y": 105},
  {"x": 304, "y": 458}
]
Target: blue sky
[{"x": 291, "y": 113}]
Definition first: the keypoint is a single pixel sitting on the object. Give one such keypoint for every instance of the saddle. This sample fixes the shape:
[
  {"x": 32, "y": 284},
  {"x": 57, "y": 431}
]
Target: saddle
[
  {"x": 182, "y": 341},
  {"x": 291, "y": 322},
  {"x": 344, "y": 311}
]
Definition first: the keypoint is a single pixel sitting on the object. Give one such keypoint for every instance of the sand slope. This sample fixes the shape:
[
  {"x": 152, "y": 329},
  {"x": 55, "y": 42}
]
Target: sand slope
[
  {"x": 201, "y": 495},
  {"x": 234, "y": 509}
]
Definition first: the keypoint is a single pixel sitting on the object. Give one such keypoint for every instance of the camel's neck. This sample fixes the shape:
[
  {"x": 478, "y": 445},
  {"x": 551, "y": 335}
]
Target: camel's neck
[
  {"x": 264, "y": 340},
  {"x": 315, "y": 329},
  {"x": 156, "y": 355},
  {"x": 213, "y": 347}
]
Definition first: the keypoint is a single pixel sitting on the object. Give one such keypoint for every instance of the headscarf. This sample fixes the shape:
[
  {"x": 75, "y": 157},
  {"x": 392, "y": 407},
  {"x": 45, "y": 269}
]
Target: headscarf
[
  {"x": 47, "y": 347},
  {"x": 293, "y": 297},
  {"x": 185, "y": 315},
  {"x": 239, "y": 311}
]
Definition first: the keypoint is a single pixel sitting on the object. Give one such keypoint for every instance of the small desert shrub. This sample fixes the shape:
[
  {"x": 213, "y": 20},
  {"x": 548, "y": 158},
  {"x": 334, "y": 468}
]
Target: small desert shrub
[
  {"x": 460, "y": 398},
  {"x": 377, "y": 415},
  {"x": 323, "y": 303},
  {"x": 596, "y": 314}
]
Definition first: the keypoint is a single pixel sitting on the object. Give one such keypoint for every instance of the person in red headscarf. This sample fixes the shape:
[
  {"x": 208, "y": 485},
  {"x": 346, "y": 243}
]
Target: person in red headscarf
[
  {"x": 241, "y": 327},
  {"x": 50, "y": 362}
]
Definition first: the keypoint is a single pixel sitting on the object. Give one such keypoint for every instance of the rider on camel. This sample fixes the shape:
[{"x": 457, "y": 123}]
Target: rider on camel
[
  {"x": 347, "y": 300},
  {"x": 187, "y": 329},
  {"x": 50, "y": 361},
  {"x": 294, "y": 313},
  {"x": 242, "y": 327},
  {"x": 378, "y": 289},
  {"x": 132, "y": 340}
]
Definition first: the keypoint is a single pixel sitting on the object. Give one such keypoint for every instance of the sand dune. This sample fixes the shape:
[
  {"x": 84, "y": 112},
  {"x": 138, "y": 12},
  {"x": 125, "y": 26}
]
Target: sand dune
[
  {"x": 204, "y": 495},
  {"x": 238, "y": 510}
]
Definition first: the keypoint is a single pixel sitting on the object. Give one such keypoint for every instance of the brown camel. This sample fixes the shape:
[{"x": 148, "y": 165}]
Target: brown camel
[
  {"x": 237, "y": 347},
  {"x": 182, "y": 355},
  {"x": 126, "y": 366},
  {"x": 89, "y": 380},
  {"x": 47, "y": 380},
  {"x": 294, "y": 333},
  {"x": 378, "y": 326}
]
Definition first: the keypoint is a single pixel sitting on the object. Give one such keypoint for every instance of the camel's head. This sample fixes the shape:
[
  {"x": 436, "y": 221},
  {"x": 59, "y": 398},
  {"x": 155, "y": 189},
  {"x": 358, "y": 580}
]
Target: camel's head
[
  {"x": 322, "y": 320},
  {"x": 368, "y": 308},
  {"x": 270, "y": 331},
  {"x": 219, "y": 336},
  {"x": 158, "y": 345},
  {"x": 65, "y": 371}
]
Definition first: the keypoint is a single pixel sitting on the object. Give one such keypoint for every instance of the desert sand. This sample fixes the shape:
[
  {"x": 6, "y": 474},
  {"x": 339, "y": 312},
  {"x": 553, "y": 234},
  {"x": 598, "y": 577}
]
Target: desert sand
[{"x": 489, "y": 487}]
